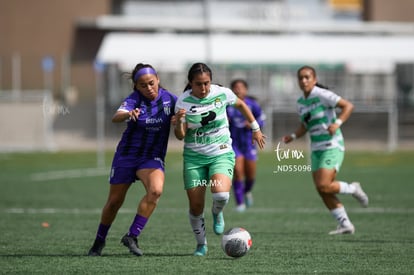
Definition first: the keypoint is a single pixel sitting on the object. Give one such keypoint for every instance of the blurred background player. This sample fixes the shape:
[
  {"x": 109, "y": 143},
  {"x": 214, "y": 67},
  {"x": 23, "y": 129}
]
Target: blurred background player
[
  {"x": 140, "y": 154},
  {"x": 208, "y": 156},
  {"x": 316, "y": 109},
  {"x": 245, "y": 150}
]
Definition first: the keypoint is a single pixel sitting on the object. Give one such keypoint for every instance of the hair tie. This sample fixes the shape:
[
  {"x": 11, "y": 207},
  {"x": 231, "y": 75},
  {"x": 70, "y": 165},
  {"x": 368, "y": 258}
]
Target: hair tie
[{"x": 142, "y": 71}]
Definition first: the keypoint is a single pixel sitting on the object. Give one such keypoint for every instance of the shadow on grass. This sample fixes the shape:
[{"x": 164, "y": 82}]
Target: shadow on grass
[
  {"x": 113, "y": 255},
  {"x": 105, "y": 255},
  {"x": 375, "y": 241}
]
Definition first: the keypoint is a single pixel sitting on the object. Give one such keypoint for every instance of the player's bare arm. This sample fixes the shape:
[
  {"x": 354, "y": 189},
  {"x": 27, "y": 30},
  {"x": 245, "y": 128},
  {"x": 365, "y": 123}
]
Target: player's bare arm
[
  {"x": 180, "y": 124},
  {"x": 347, "y": 108},
  {"x": 257, "y": 133},
  {"x": 121, "y": 116}
]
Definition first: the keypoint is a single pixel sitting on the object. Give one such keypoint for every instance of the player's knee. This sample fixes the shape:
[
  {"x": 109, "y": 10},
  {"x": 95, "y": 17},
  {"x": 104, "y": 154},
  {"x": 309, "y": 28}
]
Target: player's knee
[
  {"x": 324, "y": 189},
  {"x": 154, "y": 195},
  {"x": 221, "y": 196}
]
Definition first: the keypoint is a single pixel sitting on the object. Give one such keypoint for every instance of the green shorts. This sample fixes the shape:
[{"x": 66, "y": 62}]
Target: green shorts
[
  {"x": 198, "y": 171},
  {"x": 329, "y": 159}
]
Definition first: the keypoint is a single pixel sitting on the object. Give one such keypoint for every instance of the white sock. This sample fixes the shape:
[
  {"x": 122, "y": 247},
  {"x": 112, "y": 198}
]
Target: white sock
[
  {"x": 220, "y": 200},
  {"x": 340, "y": 215},
  {"x": 197, "y": 223},
  {"x": 346, "y": 188}
]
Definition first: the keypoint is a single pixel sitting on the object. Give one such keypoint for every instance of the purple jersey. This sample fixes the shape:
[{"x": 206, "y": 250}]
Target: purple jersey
[
  {"x": 240, "y": 134},
  {"x": 146, "y": 138}
]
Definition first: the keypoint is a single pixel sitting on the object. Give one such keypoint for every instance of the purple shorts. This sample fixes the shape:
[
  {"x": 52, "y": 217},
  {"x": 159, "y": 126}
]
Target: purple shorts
[
  {"x": 249, "y": 152},
  {"x": 120, "y": 174}
]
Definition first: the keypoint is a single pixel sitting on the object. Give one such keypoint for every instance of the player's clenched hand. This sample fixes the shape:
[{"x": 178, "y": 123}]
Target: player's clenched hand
[
  {"x": 287, "y": 139},
  {"x": 332, "y": 128},
  {"x": 180, "y": 116}
]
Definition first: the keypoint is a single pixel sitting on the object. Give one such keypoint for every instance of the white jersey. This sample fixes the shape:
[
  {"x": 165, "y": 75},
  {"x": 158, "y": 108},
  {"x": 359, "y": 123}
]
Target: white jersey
[
  {"x": 317, "y": 112},
  {"x": 208, "y": 128}
]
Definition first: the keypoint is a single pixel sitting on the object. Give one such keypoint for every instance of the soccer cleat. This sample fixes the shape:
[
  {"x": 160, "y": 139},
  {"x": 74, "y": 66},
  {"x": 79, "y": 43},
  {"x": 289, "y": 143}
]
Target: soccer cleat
[
  {"x": 241, "y": 208},
  {"x": 201, "y": 250},
  {"x": 218, "y": 223},
  {"x": 249, "y": 199},
  {"x": 360, "y": 195},
  {"x": 132, "y": 243},
  {"x": 343, "y": 230},
  {"x": 96, "y": 249}
]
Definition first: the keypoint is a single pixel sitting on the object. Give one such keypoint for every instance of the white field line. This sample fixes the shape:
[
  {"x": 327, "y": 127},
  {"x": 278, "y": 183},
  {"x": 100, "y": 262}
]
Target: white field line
[
  {"x": 269, "y": 210},
  {"x": 69, "y": 174}
]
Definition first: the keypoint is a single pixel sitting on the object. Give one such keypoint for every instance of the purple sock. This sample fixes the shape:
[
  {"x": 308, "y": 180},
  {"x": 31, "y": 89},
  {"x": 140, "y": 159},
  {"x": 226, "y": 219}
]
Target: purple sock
[
  {"x": 137, "y": 226},
  {"x": 248, "y": 186},
  {"x": 238, "y": 191},
  {"x": 102, "y": 232}
]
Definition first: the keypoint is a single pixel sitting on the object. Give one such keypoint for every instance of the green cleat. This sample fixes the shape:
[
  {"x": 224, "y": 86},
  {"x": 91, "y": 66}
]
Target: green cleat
[
  {"x": 218, "y": 223},
  {"x": 201, "y": 250},
  {"x": 249, "y": 199}
]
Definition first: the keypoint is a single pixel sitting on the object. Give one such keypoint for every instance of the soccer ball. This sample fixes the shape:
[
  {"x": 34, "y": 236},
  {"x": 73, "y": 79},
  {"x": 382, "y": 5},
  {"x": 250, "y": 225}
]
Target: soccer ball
[{"x": 236, "y": 242}]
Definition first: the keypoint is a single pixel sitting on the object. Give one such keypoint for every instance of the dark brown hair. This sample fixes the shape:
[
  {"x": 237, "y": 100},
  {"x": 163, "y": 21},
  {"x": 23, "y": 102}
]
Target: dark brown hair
[
  {"x": 197, "y": 68},
  {"x": 306, "y": 67},
  {"x": 239, "y": 80}
]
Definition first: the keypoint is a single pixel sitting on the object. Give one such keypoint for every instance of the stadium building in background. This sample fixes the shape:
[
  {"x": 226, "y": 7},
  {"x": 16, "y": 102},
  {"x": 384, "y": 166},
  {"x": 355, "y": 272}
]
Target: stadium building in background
[{"x": 50, "y": 48}]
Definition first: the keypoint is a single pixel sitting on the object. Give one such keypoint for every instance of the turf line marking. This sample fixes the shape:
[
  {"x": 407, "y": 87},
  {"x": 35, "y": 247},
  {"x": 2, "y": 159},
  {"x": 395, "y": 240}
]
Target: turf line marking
[
  {"x": 69, "y": 174},
  {"x": 376, "y": 210}
]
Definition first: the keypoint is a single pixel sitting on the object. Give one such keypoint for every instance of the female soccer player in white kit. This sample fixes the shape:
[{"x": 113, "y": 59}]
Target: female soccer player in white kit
[
  {"x": 316, "y": 109},
  {"x": 208, "y": 155}
]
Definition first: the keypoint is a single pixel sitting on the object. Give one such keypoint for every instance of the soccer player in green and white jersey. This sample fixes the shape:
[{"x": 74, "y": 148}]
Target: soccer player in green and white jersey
[
  {"x": 316, "y": 109},
  {"x": 201, "y": 120}
]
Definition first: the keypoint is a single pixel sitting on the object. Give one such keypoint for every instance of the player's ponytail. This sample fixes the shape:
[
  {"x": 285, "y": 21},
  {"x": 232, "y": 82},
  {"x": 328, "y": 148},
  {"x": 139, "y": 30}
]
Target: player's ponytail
[
  {"x": 321, "y": 86},
  {"x": 187, "y": 87}
]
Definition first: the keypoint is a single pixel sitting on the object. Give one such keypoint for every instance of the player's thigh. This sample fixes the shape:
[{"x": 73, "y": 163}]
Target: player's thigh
[
  {"x": 239, "y": 168},
  {"x": 221, "y": 173},
  {"x": 195, "y": 175},
  {"x": 152, "y": 179},
  {"x": 323, "y": 179},
  {"x": 323, "y": 176}
]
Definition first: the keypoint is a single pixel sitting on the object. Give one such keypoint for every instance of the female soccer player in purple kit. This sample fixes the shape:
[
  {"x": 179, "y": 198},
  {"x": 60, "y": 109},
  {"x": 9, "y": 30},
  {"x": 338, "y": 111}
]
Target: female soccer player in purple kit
[
  {"x": 140, "y": 154},
  {"x": 245, "y": 150}
]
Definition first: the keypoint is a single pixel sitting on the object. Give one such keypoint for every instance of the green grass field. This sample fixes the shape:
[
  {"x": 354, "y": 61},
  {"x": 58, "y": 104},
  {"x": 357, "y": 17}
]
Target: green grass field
[{"x": 288, "y": 222}]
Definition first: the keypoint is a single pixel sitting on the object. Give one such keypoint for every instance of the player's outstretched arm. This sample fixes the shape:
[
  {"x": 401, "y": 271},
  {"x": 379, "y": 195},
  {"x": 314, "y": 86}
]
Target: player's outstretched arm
[
  {"x": 259, "y": 138},
  {"x": 121, "y": 116},
  {"x": 254, "y": 125}
]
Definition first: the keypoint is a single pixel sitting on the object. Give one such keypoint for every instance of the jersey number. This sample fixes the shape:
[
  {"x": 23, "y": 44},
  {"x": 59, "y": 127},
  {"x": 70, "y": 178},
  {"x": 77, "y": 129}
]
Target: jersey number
[{"x": 207, "y": 117}]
